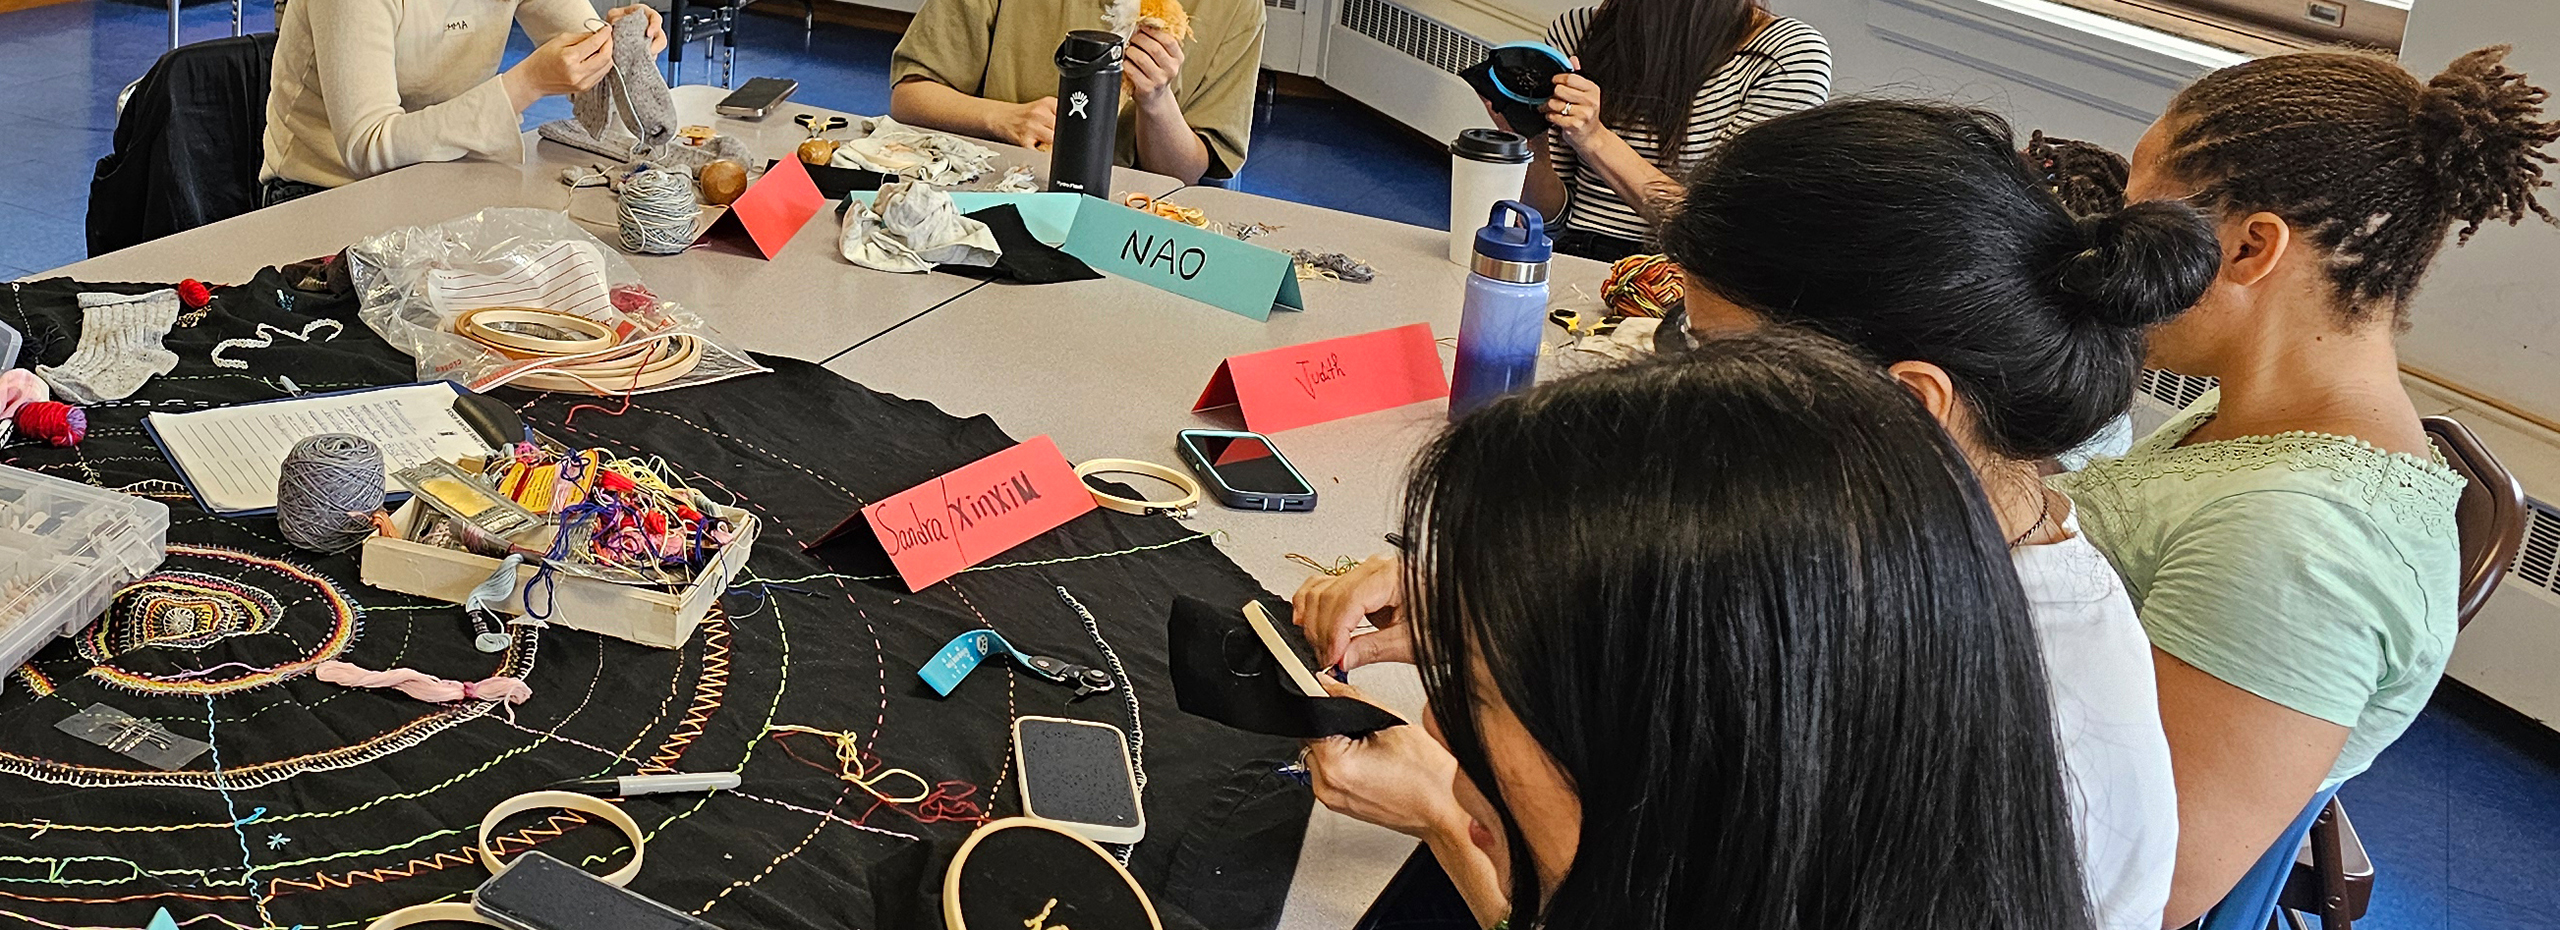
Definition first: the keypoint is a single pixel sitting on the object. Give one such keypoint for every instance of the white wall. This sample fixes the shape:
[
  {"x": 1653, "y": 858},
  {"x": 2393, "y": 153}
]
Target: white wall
[
  {"x": 2488, "y": 318},
  {"x": 2022, "y": 58}
]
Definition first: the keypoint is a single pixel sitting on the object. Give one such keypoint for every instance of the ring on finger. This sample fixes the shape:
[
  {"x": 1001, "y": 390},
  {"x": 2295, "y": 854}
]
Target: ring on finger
[{"x": 1567, "y": 111}]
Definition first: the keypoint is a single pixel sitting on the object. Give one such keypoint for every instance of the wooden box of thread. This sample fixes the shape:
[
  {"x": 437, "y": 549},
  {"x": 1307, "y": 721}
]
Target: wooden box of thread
[{"x": 411, "y": 560}]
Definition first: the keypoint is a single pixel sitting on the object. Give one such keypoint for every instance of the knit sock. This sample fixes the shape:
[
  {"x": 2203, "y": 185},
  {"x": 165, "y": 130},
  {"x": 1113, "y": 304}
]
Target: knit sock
[
  {"x": 634, "y": 86},
  {"x": 119, "y": 347}
]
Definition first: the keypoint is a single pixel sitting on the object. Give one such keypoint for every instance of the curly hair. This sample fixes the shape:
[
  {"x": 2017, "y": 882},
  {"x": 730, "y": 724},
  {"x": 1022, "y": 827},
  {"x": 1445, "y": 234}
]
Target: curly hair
[
  {"x": 2371, "y": 165},
  {"x": 2087, "y": 177}
]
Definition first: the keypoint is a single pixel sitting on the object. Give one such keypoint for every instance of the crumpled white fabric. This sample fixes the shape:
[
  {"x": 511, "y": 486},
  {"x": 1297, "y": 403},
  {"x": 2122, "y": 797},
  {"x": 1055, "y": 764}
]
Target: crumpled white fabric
[
  {"x": 910, "y": 227},
  {"x": 893, "y": 148},
  {"x": 1019, "y": 180}
]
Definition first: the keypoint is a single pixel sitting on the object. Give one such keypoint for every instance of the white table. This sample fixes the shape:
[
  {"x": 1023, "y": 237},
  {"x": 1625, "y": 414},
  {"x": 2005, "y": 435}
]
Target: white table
[
  {"x": 808, "y": 302},
  {"x": 1110, "y": 368}
]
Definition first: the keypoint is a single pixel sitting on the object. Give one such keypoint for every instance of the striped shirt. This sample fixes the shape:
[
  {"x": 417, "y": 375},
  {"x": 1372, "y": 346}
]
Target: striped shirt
[{"x": 1784, "y": 68}]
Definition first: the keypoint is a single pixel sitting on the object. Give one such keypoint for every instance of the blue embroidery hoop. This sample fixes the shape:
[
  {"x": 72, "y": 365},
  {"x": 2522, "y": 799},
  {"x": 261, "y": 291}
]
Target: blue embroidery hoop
[{"x": 1530, "y": 62}]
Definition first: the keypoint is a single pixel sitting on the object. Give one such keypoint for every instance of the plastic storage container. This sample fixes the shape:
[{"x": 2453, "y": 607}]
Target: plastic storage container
[{"x": 65, "y": 548}]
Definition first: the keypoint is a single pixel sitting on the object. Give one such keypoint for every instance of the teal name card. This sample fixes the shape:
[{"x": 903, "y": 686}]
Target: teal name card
[{"x": 1229, "y": 274}]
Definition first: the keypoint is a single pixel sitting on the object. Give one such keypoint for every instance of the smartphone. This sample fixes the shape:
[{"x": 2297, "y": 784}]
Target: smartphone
[
  {"x": 1076, "y": 773},
  {"x": 538, "y": 892},
  {"x": 757, "y": 97},
  {"x": 1245, "y": 471}
]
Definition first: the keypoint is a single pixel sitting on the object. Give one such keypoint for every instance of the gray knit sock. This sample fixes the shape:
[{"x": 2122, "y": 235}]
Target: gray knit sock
[
  {"x": 119, "y": 347},
  {"x": 634, "y": 86}
]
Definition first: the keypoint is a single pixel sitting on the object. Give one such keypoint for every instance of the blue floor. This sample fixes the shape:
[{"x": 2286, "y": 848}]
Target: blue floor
[{"x": 2463, "y": 815}]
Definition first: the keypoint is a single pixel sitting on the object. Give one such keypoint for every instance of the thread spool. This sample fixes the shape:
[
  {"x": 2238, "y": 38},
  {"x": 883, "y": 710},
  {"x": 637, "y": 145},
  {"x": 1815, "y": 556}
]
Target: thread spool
[
  {"x": 55, "y": 422},
  {"x": 658, "y": 212},
  {"x": 327, "y": 492}
]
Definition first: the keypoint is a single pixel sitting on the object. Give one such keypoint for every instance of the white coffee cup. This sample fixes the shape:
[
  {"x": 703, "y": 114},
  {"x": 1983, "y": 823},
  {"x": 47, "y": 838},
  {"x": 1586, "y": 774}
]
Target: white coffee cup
[{"x": 1486, "y": 166}]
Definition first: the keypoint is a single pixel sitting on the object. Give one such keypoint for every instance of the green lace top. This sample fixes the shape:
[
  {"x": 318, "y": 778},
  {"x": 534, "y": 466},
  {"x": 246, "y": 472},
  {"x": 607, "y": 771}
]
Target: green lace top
[{"x": 2313, "y": 570}]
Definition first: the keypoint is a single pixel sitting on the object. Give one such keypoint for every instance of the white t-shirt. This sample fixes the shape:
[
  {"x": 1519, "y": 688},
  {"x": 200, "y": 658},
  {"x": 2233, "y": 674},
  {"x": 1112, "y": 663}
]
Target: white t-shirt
[{"x": 2106, "y": 709}]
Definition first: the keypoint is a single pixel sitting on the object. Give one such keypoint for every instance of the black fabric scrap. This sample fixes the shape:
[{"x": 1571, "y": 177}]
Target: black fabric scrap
[{"x": 1222, "y": 671}]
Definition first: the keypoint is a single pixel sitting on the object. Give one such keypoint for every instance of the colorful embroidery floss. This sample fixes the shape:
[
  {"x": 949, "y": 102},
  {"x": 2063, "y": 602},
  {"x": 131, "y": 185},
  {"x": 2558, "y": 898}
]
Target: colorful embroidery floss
[
  {"x": 58, "y": 424},
  {"x": 423, "y": 686}
]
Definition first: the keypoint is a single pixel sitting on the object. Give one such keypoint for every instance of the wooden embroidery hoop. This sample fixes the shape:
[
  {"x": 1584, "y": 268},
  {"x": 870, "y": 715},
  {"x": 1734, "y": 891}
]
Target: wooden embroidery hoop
[{"x": 951, "y": 918}]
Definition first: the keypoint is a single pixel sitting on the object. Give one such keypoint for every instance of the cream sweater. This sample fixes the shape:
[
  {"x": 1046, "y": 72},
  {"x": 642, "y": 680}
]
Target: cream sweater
[{"x": 365, "y": 86}]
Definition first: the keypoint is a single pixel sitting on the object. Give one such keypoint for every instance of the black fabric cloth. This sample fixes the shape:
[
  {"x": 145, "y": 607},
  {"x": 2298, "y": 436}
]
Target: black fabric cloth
[
  {"x": 1599, "y": 247},
  {"x": 188, "y": 145},
  {"x": 1525, "y": 118},
  {"x": 335, "y": 805},
  {"x": 1026, "y": 260},
  {"x": 281, "y": 190},
  {"x": 1224, "y": 672},
  {"x": 1420, "y": 897}
]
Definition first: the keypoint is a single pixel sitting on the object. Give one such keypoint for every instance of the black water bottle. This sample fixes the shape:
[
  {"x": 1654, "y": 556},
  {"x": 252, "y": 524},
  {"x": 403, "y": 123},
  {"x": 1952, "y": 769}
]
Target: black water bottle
[{"x": 1088, "y": 113}]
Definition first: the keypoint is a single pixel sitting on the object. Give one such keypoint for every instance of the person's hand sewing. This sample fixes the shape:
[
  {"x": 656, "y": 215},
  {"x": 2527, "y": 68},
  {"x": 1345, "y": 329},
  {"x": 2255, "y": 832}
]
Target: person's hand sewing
[
  {"x": 657, "y": 30},
  {"x": 1398, "y": 778},
  {"x": 1154, "y": 62},
  {"x": 1030, "y": 125},
  {"x": 569, "y": 63},
  {"x": 1574, "y": 109},
  {"x": 1327, "y": 608}
]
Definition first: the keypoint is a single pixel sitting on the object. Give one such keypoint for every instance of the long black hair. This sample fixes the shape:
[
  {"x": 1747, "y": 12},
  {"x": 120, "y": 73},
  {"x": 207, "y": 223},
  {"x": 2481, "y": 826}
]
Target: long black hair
[
  {"x": 1916, "y": 232},
  {"x": 1779, "y": 652},
  {"x": 1651, "y": 56}
]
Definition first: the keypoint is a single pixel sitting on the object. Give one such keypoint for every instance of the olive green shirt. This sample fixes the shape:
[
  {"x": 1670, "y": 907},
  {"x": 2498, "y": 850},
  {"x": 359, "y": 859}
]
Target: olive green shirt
[
  {"x": 1004, "y": 51},
  {"x": 2312, "y": 570}
]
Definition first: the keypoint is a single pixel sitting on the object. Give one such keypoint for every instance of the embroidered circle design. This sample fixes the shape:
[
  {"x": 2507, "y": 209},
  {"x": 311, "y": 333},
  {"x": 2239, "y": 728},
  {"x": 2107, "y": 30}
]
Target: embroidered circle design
[
  {"x": 185, "y": 611},
  {"x": 179, "y": 610}
]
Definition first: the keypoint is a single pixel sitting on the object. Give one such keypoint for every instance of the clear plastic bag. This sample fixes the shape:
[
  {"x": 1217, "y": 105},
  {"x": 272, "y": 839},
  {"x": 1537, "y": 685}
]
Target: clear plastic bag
[{"x": 416, "y": 282}]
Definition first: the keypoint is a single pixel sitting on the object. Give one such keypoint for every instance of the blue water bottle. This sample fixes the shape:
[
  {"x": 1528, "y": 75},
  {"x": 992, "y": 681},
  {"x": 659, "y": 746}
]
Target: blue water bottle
[{"x": 1506, "y": 311}]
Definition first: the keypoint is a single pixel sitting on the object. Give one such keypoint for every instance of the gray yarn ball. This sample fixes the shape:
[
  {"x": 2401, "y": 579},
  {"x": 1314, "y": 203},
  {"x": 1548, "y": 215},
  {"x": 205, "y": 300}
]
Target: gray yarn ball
[{"x": 327, "y": 491}]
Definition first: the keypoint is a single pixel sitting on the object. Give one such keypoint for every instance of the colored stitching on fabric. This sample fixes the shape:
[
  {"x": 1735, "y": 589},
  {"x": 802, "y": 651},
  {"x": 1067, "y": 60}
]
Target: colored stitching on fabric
[
  {"x": 346, "y": 624},
  {"x": 711, "y": 686},
  {"x": 239, "y": 825},
  {"x": 785, "y": 856},
  {"x": 1036, "y": 563},
  {"x": 517, "y": 663}
]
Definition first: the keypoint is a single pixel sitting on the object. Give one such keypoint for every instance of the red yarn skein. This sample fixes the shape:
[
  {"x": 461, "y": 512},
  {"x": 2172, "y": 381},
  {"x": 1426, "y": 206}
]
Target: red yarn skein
[
  {"x": 54, "y": 422},
  {"x": 194, "y": 294}
]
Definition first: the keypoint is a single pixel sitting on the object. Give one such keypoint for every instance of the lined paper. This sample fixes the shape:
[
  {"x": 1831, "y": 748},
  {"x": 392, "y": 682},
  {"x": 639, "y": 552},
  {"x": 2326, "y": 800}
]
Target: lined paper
[
  {"x": 232, "y": 456},
  {"x": 567, "y": 277}
]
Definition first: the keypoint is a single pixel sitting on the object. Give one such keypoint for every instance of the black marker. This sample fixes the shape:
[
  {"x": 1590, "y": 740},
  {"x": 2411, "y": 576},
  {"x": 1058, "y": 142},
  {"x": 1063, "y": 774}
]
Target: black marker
[{"x": 636, "y": 785}]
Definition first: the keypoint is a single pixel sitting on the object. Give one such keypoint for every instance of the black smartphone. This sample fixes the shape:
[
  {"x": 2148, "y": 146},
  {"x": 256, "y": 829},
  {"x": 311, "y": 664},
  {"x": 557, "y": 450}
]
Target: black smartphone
[
  {"x": 1245, "y": 471},
  {"x": 1076, "y": 773},
  {"x": 757, "y": 97},
  {"x": 538, "y": 892}
]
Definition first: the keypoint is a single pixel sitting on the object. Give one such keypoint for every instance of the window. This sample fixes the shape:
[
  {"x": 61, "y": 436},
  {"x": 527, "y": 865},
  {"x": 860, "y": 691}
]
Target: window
[{"x": 2267, "y": 26}]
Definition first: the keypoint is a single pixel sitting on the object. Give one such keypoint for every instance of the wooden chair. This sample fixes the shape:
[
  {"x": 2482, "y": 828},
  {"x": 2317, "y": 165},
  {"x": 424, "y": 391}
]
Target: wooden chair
[{"x": 2333, "y": 878}]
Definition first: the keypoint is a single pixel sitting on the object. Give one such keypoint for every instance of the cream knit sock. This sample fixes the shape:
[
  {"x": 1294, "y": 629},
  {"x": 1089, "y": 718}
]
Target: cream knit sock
[{"x": 119, "y": 347}]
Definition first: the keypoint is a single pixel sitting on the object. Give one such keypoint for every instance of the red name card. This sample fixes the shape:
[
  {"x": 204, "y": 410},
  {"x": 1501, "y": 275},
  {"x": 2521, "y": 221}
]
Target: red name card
[
  {"x": 934, "y": 530},
  {"x": 1318, "y": 381},
  {"x": 773, "y": 208}
]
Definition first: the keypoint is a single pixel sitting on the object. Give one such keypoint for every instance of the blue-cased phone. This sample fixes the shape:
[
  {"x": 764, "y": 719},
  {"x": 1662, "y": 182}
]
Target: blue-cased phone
[{"x": 1245, "y": 470}]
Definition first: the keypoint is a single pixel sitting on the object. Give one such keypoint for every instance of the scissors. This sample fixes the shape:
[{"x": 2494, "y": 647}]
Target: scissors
[{"x": 819, "y": 126}]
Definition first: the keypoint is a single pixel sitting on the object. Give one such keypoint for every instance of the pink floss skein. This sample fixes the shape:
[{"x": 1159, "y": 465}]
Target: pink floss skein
[
  {"x": 423, "y": 686},
  {"x": 18, "y": 388}
]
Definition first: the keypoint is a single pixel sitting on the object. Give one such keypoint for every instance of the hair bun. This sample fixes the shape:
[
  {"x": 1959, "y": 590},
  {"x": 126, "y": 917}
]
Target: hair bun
[
  {"x": 2483, "y": 139},
  {"x": 2141, "y": 265}
]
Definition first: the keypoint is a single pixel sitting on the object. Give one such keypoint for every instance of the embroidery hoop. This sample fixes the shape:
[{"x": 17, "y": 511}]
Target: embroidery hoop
[
  {"x": 1179, "y": 508},
  {"x": 951, "y": 916},
  {"x": 459, "y": 912}
]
